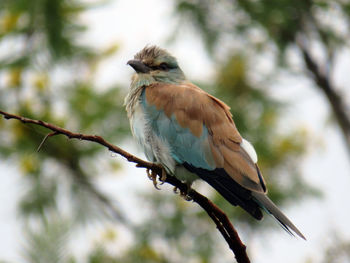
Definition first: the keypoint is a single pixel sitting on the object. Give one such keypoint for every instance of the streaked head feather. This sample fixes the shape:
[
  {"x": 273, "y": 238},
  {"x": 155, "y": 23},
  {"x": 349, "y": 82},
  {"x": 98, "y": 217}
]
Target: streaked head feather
[{"x": 153, "y": 56}]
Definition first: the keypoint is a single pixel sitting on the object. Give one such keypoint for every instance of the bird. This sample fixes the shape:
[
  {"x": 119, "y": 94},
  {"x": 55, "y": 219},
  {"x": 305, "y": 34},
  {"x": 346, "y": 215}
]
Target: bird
[{"x": 192, "y": 135}]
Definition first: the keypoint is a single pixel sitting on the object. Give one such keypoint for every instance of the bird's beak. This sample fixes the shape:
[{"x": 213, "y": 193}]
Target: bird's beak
[{"x": 138, "y": 66}]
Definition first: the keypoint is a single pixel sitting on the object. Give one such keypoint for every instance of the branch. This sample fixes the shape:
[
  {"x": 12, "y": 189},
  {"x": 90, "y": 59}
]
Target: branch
[
  {"x": 218, "y": 216},
  {"x": 334, "y": 97}
]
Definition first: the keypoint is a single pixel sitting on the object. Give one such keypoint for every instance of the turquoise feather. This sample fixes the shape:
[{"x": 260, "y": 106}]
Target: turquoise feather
[{"x": 184, "y": 146}]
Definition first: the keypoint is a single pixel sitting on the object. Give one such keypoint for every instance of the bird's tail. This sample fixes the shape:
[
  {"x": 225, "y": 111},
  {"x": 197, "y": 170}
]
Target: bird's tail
[{"x": 272, "y": 209}]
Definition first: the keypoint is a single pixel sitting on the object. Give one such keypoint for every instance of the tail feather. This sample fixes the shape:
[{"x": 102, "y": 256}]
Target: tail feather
[
  {"x": 228, "y": 188},
  {"x": 272, "y": 209},
  {"x": 250, "y": 201}
]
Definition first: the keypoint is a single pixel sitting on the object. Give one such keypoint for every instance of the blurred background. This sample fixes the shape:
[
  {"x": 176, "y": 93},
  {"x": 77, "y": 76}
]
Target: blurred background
[{"x": 282, "y": 66}]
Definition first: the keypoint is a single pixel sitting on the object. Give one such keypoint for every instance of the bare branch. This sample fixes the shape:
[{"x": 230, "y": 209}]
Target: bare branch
[
  {"x": 333, "y": 96},
  {"x": 216, "y": 214}
]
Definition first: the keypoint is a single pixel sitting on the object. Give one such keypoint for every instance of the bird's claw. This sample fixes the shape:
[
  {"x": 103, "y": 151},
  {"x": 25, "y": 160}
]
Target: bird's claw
[
  {"x": 152, "y": 176},
  {"x": 163, "y": 177},
  {"x": 184, "y": 194}
]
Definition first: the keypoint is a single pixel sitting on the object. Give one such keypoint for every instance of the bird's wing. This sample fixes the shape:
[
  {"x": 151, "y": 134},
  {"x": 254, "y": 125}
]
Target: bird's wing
[{"x": 200, "y": 130}]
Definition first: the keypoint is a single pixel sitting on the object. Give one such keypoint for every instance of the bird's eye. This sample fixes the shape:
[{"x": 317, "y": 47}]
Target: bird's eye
[{"x": 163, "y": 66}]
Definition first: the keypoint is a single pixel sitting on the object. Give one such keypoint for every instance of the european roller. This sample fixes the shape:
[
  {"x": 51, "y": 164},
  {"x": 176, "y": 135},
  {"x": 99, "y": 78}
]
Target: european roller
[{"x": 192, "y": 134}]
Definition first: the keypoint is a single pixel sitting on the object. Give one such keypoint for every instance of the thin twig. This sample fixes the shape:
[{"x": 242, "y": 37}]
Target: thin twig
[
  {"x": 44, "y": 140},
  {"x": 218, "y": 216}
]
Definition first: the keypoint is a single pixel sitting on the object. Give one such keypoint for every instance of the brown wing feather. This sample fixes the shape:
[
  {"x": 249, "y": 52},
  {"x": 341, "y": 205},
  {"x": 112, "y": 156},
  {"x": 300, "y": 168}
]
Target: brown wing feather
[{"x": 192, "y": 108}]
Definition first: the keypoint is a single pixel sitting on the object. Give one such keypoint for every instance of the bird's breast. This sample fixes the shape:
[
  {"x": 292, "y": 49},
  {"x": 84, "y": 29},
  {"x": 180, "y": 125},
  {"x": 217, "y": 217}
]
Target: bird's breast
[
  {"x": 141, "y": 131},
  {"x": 156, "y": 149}
]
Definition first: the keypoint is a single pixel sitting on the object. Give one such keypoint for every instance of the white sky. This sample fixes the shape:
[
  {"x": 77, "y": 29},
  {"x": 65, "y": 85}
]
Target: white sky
[{"x": 136, "y": 23}]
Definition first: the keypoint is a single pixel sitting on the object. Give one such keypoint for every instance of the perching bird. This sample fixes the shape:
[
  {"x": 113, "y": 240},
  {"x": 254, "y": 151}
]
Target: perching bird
[{"x": 192, "y": 134}]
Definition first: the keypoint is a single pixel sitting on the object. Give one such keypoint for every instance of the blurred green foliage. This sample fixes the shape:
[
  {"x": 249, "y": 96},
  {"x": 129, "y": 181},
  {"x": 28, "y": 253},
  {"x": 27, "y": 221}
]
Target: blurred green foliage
[
  {"x": 48, "y": 73},
  {"x": 279, "y": 22}
]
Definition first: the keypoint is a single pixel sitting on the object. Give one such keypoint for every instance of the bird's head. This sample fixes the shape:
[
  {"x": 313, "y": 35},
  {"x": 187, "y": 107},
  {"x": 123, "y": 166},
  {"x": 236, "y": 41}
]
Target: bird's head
[{"x": 153, "y": 64}]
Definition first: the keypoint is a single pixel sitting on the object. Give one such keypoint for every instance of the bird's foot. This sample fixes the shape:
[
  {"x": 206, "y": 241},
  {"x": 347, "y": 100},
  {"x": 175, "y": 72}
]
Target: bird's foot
[
  {"x": 163, "y": 177},
  {"x": 184, "y": 194},
  {"x": 152, "y": 176}
]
